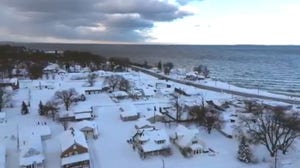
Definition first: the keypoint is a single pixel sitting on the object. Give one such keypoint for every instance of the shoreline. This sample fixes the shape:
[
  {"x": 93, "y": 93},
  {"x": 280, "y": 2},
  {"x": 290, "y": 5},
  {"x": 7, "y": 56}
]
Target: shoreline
[{"x": 233, "y": 91}]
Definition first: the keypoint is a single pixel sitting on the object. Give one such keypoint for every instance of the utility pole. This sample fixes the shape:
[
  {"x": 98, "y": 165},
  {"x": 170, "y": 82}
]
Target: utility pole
[{"x": 163, "y": 163}]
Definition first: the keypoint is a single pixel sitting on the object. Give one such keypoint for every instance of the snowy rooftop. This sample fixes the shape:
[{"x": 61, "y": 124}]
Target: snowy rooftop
[
  {"x": 80, "y": 116},
  {"x": 152, "y": 137},
  {"x": 128, "y": 110},
  {"x": 186, "y": 136},
  {"x": 51, "y": 67},
  {"x": 69, "y": 137},
  {"x": 31, "y": 150},
  {"x": 119, "y": 94},
  {"x": 142, "y": 123},
  {"x": 83, "y": 124}
]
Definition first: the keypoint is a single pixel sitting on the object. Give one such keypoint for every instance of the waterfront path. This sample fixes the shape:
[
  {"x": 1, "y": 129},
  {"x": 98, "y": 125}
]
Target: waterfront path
[{"x": 216, "y": 89}]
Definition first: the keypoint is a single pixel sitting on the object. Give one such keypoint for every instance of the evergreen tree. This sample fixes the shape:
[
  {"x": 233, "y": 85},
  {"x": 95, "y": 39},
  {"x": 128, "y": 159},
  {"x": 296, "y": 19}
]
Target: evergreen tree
[
  {"x": 24, "y": 109},
  {"x": 159, "y": 65},
  {"x": 244, "y": 152},
  {"x": 41, "y": 108}
]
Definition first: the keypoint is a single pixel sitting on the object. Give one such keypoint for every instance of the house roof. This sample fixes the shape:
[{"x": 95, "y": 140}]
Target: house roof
[
  {"x": 128, "y": 110},
  {"x": 51, "y": 66},
  {"x": 185, "y": 137},
  {"x": 119, "y": 94},
  {"x": 75, "y": 158},
  {"x": 70, "y": 137},
  {"x": 82, "y": 116},
  {"x": 142, "y": 123},
  {"x": 31, "y": 150},
  {"x": 151, "y": 137},
  {"x": 83, "y": 124}
]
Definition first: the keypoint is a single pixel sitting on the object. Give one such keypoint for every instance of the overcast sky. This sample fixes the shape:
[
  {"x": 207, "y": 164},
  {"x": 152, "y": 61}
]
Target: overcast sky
[{"x": 151, "y": 21}]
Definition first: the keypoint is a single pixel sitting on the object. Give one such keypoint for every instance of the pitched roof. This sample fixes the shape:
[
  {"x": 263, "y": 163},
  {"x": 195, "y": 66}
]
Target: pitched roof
[
  {"x": 151, "y": 138},
  {"x": 70, "y": 137},
  {"x": 31, "y": 150}
]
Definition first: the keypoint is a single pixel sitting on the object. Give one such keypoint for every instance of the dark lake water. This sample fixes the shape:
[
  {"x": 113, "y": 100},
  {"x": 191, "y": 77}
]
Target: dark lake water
[{"x": 272, "y": 68}]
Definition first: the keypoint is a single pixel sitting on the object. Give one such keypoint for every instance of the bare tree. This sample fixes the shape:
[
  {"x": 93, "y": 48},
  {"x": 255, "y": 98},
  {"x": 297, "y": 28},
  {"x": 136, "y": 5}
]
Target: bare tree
[
  {"x": 113, "y": 81},
  {"x": 124, "y": 85},
  {"x": 91, "y": 79},
  {"x": 67, "y": 97},
  {"x": 274, "y": 128},
  {"x": 251, "y": 106},
  {"x": 50, "y": 109},
  {"x": 213, "y": 120},
  {"x": 117, "y": 82},
  {"x": 198, "y": 112}
]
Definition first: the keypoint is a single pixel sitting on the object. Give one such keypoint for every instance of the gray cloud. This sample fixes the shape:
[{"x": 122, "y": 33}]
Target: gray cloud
[
  {"x": 184, "y": 2},
  {"x": 110, "y": 20}
]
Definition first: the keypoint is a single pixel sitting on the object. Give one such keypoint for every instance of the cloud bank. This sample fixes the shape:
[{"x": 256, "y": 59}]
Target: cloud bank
[{"x": 94, "y": 20}]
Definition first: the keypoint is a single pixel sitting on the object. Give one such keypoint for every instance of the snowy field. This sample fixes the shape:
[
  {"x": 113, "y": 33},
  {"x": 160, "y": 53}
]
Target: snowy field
[{"x": 111, "y": 149}]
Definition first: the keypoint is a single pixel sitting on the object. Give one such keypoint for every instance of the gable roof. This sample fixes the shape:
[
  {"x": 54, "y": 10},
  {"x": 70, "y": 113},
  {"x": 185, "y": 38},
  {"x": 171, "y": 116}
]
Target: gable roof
[
  {"x": 31, "y": 150},
  {"x": 83, "y": 124},
  {"x": 70, "y": 137},
  {"x": 151, "y": 138}
]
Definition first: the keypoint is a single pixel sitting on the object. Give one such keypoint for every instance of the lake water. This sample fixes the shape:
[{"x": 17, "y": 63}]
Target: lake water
[{"x": 272, "y": 68}]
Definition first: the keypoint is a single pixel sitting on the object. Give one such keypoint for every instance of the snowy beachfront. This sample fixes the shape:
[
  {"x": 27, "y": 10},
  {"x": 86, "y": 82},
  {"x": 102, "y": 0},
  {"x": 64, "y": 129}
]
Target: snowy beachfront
[{"x": 111, "y": 148}]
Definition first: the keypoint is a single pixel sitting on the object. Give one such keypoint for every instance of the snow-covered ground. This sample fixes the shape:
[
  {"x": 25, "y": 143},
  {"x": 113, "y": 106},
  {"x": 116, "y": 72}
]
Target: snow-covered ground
[{"x": 111, "y": 149}]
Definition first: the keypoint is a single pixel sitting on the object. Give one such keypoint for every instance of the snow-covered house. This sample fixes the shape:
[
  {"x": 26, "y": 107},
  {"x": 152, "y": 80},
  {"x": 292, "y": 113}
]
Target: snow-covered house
[
  {"x": 12, "y": 82},
  {"x": 51, "y": 68},
  {"x": 152, "y": 142},
  {"x": 143, "y": 124},
  {"x": 77, "y": 114},
  {"x": 119, "y": 94},
  {"x": 2, "y": 117},
  {"x": 89, "y": 128},
  {"x": 74, "y": 149},
  {"x": 188, "y": 141},
  {"x": 31, "y": 152},
  {"x": 193, "y": 76},
  {"x": 2, "y": 156},
  {"x": 30, "y": 145},
  {"x": 129, "y": 112},
  {"x": 95, "y": 90}
]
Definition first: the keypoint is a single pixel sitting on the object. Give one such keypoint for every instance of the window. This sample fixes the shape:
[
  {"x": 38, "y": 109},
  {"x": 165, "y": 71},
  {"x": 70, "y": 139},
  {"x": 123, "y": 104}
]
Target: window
[{"x": 74, "y": 147}]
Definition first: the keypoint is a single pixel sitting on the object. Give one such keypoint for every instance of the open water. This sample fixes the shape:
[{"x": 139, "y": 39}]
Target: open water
[{"x": 272, "y": 68}]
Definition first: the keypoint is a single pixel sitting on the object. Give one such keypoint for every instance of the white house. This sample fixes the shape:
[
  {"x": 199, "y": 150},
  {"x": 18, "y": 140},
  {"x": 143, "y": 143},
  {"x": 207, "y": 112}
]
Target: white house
[
  {"x": 129, "y": 112},
  {"x": 74, "y": 149},
  {"x": 152, "y": 142},
  {"x": 51, "y": 68},
  {"x": 119, "y": 94},
  {"x": 31, "y": 152},
  {"x": 188, "y": 141},
  {"x": 30, "y": 145}
]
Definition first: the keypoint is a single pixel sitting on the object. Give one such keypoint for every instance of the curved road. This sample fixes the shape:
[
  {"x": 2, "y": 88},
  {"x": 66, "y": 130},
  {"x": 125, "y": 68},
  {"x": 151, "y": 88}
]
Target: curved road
[{"x": 211, "y": 88}]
